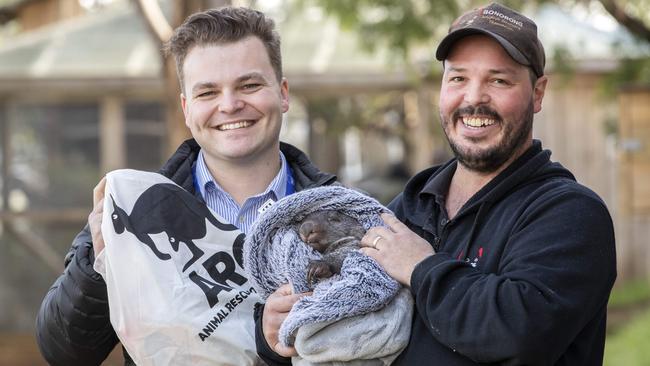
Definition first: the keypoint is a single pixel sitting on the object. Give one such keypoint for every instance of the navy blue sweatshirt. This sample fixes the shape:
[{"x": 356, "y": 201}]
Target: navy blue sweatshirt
[{"x": 522, "y": 273}]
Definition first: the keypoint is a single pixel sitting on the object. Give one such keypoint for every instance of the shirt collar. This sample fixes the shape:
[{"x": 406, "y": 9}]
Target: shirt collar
[
  {"x": 439, "y": 185},
  {"x": 278, "y": 185}
]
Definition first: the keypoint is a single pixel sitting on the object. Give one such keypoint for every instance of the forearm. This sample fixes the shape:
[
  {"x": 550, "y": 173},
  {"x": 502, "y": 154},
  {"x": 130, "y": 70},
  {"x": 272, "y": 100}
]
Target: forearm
[{"x": 263, "y": 350}]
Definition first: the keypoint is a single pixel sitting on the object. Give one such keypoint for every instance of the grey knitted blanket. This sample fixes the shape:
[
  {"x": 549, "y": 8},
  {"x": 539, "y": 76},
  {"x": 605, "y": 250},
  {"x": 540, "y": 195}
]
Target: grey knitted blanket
[{"x": 275, "y": 255}]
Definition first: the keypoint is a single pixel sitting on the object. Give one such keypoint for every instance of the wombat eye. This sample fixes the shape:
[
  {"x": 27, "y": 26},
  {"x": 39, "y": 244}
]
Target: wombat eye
[{"x": 334, "y": 218}]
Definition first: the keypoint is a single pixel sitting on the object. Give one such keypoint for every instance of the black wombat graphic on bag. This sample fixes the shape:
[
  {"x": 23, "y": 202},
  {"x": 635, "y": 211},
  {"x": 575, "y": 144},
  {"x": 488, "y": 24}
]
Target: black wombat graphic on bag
[
  {"x": 183, "y": 215},
  {"x": 168, "y": 208},
  {"x": 333, "y": 234}
]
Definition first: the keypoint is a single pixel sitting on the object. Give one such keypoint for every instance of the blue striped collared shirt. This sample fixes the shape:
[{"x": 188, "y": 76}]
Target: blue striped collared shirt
[{"x": 223, "y": 204}]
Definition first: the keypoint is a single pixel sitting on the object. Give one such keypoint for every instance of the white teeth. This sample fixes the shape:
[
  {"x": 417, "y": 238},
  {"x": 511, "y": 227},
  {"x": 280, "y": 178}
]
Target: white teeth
[
  {"x": 234, "y": 126},
  {"x": 478, "y": 122}
]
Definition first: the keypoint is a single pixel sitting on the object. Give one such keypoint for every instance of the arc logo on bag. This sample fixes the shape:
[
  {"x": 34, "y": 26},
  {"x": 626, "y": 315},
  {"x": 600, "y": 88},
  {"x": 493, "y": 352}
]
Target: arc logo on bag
[
  {"x": 174, "y": 275},
  {"x": 150, "y": 215}
]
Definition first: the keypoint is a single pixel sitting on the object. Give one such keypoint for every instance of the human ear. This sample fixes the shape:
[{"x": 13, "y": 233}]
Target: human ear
[
  {"x": 538, "y": 92},
  {"x": 284, "y": 93},
  {"x": 184, "y": 107}
]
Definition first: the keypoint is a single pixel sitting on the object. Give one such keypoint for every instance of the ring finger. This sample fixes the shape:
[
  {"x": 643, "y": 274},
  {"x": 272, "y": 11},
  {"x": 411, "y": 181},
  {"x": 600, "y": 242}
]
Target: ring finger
[{"x": 375, "y": 236}]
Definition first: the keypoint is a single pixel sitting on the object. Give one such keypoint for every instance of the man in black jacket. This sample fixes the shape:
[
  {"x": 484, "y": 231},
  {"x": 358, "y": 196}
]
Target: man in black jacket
[
  {"x": 509, "y": 259},
  {"x": 233, "y": 97}
]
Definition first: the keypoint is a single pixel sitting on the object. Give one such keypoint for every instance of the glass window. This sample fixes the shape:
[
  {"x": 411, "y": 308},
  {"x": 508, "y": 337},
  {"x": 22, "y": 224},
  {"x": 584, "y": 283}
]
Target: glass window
[
  {"x": 54, "y": 155},
  {"x": 145, "y": 135}
]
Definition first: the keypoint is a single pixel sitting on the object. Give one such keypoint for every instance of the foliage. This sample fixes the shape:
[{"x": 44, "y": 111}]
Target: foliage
[
  {"x": 401, "y": 26},
  {"x": 629, "y": 346},
  {"x": 629, "y": 72},
  {"x": 396, "y": 24}
]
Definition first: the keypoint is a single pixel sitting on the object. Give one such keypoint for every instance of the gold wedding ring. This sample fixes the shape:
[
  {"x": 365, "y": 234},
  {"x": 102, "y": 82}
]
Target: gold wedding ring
[{"x": 374, "y": 242}]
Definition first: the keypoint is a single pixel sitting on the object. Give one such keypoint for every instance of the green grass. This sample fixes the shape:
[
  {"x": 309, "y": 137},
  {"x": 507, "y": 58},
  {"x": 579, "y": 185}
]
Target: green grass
[
  {"x": 630, "y": 293},
  {"x": 630, "y": 346}
]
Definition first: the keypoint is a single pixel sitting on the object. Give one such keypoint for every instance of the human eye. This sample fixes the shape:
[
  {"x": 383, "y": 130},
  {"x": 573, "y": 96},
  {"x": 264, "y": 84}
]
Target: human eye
[
  {"x": 501, "y": 82},
  {"x": 456, "y": 79},
  {"x": 205, "y": 94},
  {"x": 252, "y": 86}
]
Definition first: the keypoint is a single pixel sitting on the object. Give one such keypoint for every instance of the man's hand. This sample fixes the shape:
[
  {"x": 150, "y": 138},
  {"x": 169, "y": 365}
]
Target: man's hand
[
  {"x": 396, "y": 248},
  {"x": 276, "y": 310},
  {"x": 95, "y": 217}
]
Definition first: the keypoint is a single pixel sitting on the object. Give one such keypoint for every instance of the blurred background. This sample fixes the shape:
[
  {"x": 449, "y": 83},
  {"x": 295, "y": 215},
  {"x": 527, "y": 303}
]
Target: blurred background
[{"x": 84, "y": 90}]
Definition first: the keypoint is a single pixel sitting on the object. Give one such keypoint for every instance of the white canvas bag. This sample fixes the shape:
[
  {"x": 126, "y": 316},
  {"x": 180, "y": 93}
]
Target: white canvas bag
[{"x": 177, "y": 291}]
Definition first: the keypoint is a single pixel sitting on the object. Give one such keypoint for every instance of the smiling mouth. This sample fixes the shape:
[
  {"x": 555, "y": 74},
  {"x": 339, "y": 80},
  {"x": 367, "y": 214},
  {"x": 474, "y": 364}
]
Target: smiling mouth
[
  {"x": 477, "y": 121},
  {"x": 235, "y": 125}
]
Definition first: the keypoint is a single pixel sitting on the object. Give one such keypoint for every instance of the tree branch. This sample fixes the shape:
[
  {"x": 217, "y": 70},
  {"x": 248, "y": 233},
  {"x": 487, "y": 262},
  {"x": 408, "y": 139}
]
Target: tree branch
[
  {"x": 635, "y": 25},
  {"x": 155, "y": 19}
]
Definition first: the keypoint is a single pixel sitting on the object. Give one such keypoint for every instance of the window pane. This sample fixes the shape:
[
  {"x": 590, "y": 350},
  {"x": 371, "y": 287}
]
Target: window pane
[
  {"x": 145, "y": 132},
  {"x": 55, "y": 155}
]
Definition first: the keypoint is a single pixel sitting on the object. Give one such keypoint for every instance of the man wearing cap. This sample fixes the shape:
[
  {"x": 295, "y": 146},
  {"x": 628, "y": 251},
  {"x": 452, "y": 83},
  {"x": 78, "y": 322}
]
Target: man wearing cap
[{"x": 509, "y": 259}]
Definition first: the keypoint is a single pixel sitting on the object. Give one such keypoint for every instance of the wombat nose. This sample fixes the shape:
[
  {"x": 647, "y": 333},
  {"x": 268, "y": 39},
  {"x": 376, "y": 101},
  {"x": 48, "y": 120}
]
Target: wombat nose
[{"x": 306, "y": 228}]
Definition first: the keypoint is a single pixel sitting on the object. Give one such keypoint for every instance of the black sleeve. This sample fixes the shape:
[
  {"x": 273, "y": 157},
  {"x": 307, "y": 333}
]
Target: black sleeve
[
  {"x": 554, "y": 279},
  {"x": 73, "y": 325},
  {"x": 263, "y": 349}
]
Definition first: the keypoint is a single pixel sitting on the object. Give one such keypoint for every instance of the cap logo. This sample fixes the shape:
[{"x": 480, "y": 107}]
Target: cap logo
[
  {"x": 470, "y": 21},
  {"x": 500, "y": 17}
]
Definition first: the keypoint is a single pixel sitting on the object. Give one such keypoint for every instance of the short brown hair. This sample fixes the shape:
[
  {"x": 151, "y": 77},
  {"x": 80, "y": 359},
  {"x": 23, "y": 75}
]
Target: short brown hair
[{"x": 224, "y": 25}]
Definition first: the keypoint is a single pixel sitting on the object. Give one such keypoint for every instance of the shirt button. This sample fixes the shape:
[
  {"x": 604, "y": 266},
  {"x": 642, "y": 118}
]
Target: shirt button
[{"x": 241, "y": 219}]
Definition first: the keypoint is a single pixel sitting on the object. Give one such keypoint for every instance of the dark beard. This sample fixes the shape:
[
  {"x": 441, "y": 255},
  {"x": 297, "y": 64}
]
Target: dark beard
[{"x": 491, "y": 160}]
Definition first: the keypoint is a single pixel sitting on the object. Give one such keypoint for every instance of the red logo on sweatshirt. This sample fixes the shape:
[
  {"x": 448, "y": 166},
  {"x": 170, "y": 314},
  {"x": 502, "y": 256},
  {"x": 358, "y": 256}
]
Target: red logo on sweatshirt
[{"x": 472, "y": 262}]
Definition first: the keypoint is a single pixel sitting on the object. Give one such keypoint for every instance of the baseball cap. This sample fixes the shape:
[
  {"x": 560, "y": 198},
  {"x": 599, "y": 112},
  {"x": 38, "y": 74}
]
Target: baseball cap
[{"x": 516, "y": 33}]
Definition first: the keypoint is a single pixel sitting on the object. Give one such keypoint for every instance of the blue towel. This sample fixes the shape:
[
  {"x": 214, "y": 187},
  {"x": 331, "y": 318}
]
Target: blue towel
[{"x": 275, "y": 255}]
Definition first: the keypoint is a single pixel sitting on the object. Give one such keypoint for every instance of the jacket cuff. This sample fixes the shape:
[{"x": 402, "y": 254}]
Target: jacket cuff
[
  {"x": 263, "y": 349},
  {"x": 81, "y": 270}
]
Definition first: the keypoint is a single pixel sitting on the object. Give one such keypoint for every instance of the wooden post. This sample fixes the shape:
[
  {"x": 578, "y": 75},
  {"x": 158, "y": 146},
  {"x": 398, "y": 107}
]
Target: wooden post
[
  {"x": 634, "y": 190},
  {"x": 6, "y": 154},
  {"x": 323, "y": 147},
  {"x": 158, "y": 27},
  {"x": 112, "y": 136},
  {"x": 420, "y": 136}
]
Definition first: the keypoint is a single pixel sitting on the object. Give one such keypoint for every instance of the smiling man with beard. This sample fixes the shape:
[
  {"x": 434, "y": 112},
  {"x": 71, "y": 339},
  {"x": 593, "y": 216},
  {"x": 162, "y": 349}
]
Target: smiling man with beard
[{"x": 510, "y": 260}]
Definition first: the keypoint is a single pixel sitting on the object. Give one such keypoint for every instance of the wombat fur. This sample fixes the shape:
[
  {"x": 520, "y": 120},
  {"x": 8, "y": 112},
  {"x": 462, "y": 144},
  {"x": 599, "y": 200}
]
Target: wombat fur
[{"x": 333, "y": 234}]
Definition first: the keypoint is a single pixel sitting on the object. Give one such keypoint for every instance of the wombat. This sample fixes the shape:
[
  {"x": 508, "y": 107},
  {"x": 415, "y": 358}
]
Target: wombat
[{"x": 333, "y": 234}]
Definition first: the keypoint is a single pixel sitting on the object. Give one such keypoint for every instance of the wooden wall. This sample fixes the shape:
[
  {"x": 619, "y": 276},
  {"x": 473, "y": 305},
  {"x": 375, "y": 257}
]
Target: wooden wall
[
  {"x": 634, "y": 178},
  {"x": 605, "y": 142}
]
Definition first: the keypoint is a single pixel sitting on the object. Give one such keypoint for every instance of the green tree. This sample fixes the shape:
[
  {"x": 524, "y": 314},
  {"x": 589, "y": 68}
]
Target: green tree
[{"x": 401, "y": 26}]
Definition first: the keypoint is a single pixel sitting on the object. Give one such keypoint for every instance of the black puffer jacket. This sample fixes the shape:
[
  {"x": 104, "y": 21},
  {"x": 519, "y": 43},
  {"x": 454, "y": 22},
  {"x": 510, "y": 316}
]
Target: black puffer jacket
[{"x": 73, "y": 326}]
